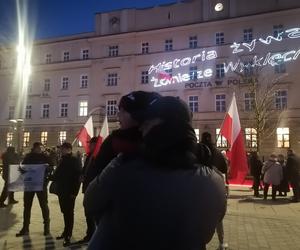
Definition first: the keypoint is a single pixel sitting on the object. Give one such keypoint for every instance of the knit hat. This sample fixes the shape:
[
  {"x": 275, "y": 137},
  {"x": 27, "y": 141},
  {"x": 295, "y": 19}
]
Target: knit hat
[
  {"x": 170, "y": 109},
  {"x": 136, "y": 102}
]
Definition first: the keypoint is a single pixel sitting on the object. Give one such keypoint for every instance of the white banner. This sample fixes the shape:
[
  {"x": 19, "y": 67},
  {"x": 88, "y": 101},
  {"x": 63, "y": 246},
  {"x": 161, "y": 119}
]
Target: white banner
[{"x": 27, "y": 177}]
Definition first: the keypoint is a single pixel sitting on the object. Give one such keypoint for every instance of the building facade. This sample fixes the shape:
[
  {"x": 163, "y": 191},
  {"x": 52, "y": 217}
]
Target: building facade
[{"x": 200, "y": 50}]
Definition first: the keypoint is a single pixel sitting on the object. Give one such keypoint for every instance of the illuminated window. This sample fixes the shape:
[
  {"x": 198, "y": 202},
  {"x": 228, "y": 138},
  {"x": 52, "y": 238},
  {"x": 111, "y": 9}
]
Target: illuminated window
[
  {"x": 221, "y": 103},
  {"x": 169, "y": 72},
  {"x": 28, "y": 112},
  {"x": 145, "y": 48},
  {"x": 251, "y": 137},
  {"x": 248, "y": 35},
  {"x": 197, "y": 133},
  {"x": 66, "y": 56},
  {"x": 219, "y": 38},
  {"x": 281, "y": 99},
  {"x": 62, "y": 137},
  {"x": 44, "y": 137},
  {"x": 26, "y": 137},
  {"x": 283, "y": 137},
  {"x": 112, "y": 79},
  {"x": 111, "y": 107},
  {"x": 193, "y": 73},
  {"x": 221, "y": 140},
  {"x": 249, "y": 101},
  {"x": 63, "y": 111},
  {"x": 280, "y": 68},
  {"x": 84, "y": 81},
  {"x": 83, "y": 108},
  {"x": 48, "y": 58},
  {"x": 145, "y": 77},
  {"x": 9, "y": 139},
  {"x": 65, "y": 83},
  {"x": 113, "y": 50},
  {"x": 47, "y": 85},
  {"x": 168, "y": 45},
  {"x": 193, "y": 42},
  {"x": 45, "y": 110},
  {"x": 193, "y": 103},
  {"x": 11, "y": 112},
  {"x": 85, "y": 54},
  {"x": 220, "y": 72},
  {"x": 277, "y": 29}
]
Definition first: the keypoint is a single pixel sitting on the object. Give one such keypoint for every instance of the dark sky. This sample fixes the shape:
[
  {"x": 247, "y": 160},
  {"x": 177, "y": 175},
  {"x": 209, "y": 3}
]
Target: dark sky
[{"x": 51, "y": 18}]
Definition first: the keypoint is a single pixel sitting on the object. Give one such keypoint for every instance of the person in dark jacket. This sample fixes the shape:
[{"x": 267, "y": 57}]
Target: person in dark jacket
[
  {"x": 8, "y": 157},
  {"x": 255, "y": 170},
  {"x": 36, "y": 156},
  {"x": 217, "y": 160},
  {"x": 67, "y": 178},
  {"x": 284, "y": 184},
  {"x": 293, "y": 172},
  {"x": 163, "y": 198}
]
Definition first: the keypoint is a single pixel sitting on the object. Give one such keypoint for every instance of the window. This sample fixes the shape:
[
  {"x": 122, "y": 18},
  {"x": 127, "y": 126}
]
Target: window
[
  {"x": 249, "y": 101},
  {"x": 248, "y": 36},
  {"x": 85, "y": 54},
  {"x": 111, "y": 107},
  {"x": 28, "y": 112},
  {"x": 45, "y": 110},
  {"x": 197, "y": 133},
  {"x": 62, "y": 137},
  {"x": 83, "y": 108},
  {"x": 63, "y": 111},
  {"x": 248, "y": 69},
  {"x": 112, "y": 79},
  {"x": 280, "y": 68},
  {"x": 26, "y": 137},
  {"x": 251, "y": 137},
  {"x": 277, "y": 29},
  {"x": 281, "y": 99},
  {"x": 168, "y": 45},
  {"x": 9, "y": 139},
  {"x": 113, "y": 50},
  {"x": 283, "y": 137},
  {"x": 66, "y": 56},
  {"x": 193, "y": 103},
  {"x": 145, "y": 77},
  {"x": 221, "y": 103},
  {"x": 83, "y": 81},
  {"x": 47, "y": 85},
  {"x": 44, "y": 137},
  {"x": 11, "y": 112},
  {"x": 193, "y": 42},
  {"x": 221, "y": 140},
  {"x": 145, "y": 48},
  {"x": 48, "y": 58},
  {"x": 219, "y": 38},
  {"x": 220, "y": 72},
  {"x": 65, "y": 83},
  {"x": 169, "y": 72},
  {"x": 193, "y": 73}
]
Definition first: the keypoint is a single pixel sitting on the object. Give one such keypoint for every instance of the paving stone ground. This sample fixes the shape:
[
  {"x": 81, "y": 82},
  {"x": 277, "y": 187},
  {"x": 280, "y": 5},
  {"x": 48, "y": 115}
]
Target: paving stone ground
[{"x": 250, "y": 223}]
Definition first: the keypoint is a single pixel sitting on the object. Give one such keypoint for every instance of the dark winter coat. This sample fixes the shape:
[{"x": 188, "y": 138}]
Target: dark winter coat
[
  {"x": 7, "y": 159},
  {"x": 67, "y": 175},
  {"x": 293, "y": 168},
  {"x": 255, "y": 166}
]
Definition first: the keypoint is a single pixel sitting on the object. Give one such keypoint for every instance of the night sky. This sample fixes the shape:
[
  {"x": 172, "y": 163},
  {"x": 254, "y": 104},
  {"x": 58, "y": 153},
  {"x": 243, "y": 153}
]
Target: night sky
[{"x": 52, "y": 18}]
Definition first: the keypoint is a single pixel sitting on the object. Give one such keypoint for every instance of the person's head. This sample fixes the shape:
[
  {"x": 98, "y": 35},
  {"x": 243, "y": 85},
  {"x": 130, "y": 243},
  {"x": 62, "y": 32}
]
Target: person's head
[
  {"x": 10, "y": 150},
  {"x": 280, "y": 158},
  {"x": 93, "y": 143},
  {"x": 273, "y": 157},
  {"x": 132, "y": 107},
  {"x": 206, "y": 138},
  {"x": 66, "y": 148},
  {"x": 37, "y": 147},
  {"x": 289, "y": 152}
]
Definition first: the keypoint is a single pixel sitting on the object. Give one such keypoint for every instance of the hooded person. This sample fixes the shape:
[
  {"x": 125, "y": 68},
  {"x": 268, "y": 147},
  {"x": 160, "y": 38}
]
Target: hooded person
[{"x": 163, "y": 198}]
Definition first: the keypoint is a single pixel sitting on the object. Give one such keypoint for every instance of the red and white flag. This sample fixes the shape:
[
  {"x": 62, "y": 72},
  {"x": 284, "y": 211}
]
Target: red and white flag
[
  {"x": 231, "y": 130},
  {"x": 161, "y": 74},
  {"x": 86, "y": 133},
  {"x": 104, "y": 132}
]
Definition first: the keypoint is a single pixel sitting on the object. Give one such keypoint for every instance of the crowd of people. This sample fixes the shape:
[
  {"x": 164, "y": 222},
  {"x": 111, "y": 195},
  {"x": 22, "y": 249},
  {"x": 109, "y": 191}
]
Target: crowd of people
[
  {"x": 151, "y": 185},
  {"x": 277, "y": 171}
]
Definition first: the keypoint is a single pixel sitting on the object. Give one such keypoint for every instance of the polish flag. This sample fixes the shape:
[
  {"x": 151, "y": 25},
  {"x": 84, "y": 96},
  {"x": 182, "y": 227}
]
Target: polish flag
[
  {"x": 86, "y": 133},
  {"x": 163, "y": 75},
  {"x": 104, "y": 132},
  {"x": 231, "y": 130}
]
